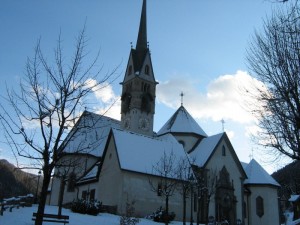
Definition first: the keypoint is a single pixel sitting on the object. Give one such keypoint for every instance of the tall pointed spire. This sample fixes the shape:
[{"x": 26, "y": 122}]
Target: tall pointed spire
[
  {"x": 141, "y": 43},
  {"x": 139, "y": 85}
]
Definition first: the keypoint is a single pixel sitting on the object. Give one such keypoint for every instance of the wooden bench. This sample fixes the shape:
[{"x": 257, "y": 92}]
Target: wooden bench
[
  {"x": 53, "y": 218},
  {"x": 4, "y": 207}
]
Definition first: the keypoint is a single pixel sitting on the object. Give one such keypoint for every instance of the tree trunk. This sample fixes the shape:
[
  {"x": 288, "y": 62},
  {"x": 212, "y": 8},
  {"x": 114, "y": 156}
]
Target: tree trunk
[
  {"x": 61, "y": 195},
  {"x": 207, "y": 208},
  {"x": 184, "y": 208},
  {"x": 43, "y": 197},
  {"x": 167, "y": 210}
]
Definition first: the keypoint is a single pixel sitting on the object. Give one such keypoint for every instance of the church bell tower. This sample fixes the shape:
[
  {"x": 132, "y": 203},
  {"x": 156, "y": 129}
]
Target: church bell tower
[{"x": 138, "y": 86}]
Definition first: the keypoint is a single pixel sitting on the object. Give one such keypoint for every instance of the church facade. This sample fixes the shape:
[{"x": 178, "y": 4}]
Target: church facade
[{"x": 127, "y": 161}]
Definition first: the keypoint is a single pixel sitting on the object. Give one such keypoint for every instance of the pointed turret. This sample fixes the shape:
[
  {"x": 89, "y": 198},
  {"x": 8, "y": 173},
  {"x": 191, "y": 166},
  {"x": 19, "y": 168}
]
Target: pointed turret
[
  {"x": 184, "y": 128},
  {"x": 182, "y": 122},
  {"x": 141, "y": 43}
]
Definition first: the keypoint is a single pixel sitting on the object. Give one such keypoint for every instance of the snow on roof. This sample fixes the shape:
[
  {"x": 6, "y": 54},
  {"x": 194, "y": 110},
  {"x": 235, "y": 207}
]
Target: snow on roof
[
  {"x": 180, "y": 122},
  {"x": 205, "y": 148},
  {"x": 92, "y": 134},
  {"x": 257, "y": 175},
  {"x": 92, "y": 174},
  {"x": 140, "y": 153},
  {"x": 294, "y": 198}
]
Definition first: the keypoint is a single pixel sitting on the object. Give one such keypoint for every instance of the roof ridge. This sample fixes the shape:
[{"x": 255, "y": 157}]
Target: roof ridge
[{"x": 137, "y": 134}]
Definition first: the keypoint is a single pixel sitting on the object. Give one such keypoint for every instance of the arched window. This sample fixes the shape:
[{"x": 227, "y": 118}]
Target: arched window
[
  {"x": 147, "y": 69},
  {"x": 259, "y": 206},
  {"x": 223, "y": 151}
]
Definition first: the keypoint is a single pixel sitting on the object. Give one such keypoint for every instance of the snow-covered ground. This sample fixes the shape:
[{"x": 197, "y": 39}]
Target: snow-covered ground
[{"x": 22, "y": 216}]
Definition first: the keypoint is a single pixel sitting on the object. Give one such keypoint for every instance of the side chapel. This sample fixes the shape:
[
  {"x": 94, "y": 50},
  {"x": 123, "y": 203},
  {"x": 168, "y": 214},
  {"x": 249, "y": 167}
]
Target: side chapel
[{"x": 118, "y": 158}]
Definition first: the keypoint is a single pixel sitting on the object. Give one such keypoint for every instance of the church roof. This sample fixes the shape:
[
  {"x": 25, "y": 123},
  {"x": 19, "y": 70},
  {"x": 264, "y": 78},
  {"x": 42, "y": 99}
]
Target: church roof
[
  {"x": 90, "y": 133},
  {"x": 205, "y": 148},
  {"x": 91, "y": 175},
  {"x": 257, "y": 175},
  {"x": 182, "y": 122},
  {"x": 141, "y": 153}
]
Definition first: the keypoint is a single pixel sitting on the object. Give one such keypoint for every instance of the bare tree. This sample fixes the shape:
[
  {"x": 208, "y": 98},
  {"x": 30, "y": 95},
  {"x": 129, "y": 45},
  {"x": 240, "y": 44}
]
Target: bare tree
[
  {"x": 166, "y": 171},
  {"x": 205, "y": 186},
  {"x": 184, "y": 187},
  {"x": 210, "y": 188},
  {"x": 50, "y": 99},
  {"x": 66, "y": 170},
  {"x": 274, "y": 57}
]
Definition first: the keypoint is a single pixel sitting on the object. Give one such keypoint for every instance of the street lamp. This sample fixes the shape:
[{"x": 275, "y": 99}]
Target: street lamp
[{"x": 37, "y": 187}]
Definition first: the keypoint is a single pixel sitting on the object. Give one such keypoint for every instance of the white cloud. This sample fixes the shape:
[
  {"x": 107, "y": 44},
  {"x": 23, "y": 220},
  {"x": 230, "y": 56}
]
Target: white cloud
[
  {"x": 105, "y": 93},
  {"x": 223, "y": 98},
  {"x": 109, "y": 102},
  {"x": 113, "y": 111},
  {"x": 230, "y": 134},
  {"x": 103, "y": 99},
  {"x": 252, "y": 130}
]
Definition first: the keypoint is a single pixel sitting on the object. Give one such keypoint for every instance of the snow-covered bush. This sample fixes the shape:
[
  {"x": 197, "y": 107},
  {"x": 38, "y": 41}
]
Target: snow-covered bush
[
  {"x": 161, "y": 216},
  {"x": 128, "y": 218},
  {"x": 86, "y": 207}
]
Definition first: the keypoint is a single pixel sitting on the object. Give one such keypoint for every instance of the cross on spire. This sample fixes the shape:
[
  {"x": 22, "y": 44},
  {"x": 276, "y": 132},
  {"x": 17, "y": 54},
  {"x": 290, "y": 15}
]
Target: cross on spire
[
  {"x": 223, "y": 125},
  {"x": 181, "y": 95}
]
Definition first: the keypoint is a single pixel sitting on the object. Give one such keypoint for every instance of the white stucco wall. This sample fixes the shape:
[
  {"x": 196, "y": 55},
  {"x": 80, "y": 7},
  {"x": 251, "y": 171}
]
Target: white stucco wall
[
  {"x": 83, "y": 164},
  {"x": 117, "y": 186},
  {"x": 189, "y": 141},
  {"x": 138, "y": 188},
  {"x": 271, "y": 208},
  {"x": 110, "y": 181}
]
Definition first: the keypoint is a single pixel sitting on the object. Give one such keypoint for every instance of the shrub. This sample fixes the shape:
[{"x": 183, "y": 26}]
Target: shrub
[
  {"x": 161, "y": 216},
  {"x": 86, "y": 207},
  {"x": 128, "y": 218}
]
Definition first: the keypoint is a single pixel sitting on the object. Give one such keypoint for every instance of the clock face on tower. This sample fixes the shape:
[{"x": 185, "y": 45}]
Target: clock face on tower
[{"x": 144, "y": 124}]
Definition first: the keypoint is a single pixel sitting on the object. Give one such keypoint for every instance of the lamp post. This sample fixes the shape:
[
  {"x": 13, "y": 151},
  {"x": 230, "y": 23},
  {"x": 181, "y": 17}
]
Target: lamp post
[{"x": 37, "y": 187}]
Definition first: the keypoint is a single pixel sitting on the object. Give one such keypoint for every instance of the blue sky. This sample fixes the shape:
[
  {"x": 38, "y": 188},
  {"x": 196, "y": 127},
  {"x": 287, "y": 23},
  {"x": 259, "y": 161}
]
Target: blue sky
[{"x": 197, "y": 46}]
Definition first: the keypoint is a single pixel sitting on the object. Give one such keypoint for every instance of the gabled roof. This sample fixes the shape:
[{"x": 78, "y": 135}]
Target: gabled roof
[
  {"x": 139, "y": 153},
  {"x": 90, "y": 133},
  {"x": 182, "y": 122},
  {"x": 205, "y": 149},
  {"x": 257, "y": 175}
]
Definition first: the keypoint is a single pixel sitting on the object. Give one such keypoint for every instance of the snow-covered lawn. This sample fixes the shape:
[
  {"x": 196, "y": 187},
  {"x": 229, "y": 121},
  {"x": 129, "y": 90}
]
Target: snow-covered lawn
[{"x": 22, "y": 216}]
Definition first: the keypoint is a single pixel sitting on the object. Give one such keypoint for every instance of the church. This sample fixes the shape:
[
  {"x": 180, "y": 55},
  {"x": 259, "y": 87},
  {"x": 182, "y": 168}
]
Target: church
[{"x": 121, "y": 161}]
